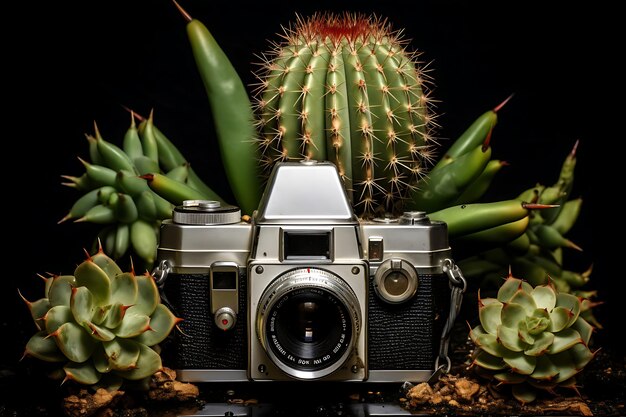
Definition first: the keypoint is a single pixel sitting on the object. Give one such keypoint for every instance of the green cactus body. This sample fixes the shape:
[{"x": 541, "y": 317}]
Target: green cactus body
[
  {"x": 531, "y": 338},
  {"x": 101, "y": 325},
  {"x": 343, "y": 88}
]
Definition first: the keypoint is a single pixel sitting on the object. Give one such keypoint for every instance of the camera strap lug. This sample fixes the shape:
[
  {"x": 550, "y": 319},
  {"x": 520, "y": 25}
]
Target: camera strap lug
[
  {"x": 458, "y": 286},
  {"x": 159, "y": 274}
]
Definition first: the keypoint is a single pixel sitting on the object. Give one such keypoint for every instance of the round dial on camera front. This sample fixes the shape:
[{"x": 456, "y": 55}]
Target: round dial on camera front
[
  {"x": 225, "y": 318},
  {"x": 395, "y": 281}
]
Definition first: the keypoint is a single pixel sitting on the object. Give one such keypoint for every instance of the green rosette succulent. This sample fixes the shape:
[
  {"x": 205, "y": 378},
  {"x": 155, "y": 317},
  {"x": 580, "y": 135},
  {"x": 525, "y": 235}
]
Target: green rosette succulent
[
  {"x": 101, "y": 325},
  {"x": 531, "y": 338}
]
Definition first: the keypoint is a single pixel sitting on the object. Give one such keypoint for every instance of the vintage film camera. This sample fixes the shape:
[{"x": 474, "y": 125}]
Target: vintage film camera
[{"x": 305, "y": 291}]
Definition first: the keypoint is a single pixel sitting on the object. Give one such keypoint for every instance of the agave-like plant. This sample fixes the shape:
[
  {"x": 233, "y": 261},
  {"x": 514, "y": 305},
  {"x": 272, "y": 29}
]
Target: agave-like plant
[
  {"x": 531, "y": 338},
  {"x": 101, "y": 325}
]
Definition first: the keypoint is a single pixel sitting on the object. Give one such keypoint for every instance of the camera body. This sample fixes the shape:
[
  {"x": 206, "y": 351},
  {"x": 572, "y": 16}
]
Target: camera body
[{"x": 306, "y": 290}]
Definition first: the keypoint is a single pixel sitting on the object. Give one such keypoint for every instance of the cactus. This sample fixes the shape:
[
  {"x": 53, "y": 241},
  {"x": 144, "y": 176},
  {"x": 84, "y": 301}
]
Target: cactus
[
  {"x": 531, "y": 338},
  {"x": 344, "y": 88},
  {"x": 115, "y": 196},
  {"x": 101, "y": 325}
]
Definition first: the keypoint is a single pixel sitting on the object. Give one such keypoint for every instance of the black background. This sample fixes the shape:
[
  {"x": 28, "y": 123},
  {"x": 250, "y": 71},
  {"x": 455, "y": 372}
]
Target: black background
[{"x": 71, "y": 63}]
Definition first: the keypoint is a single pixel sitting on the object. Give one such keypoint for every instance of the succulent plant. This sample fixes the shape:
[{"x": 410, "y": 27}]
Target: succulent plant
[
  {"x": 115, "y": 197},
  {"x": 101, "y": 325},
  {"x": 344, "y": 88},
  {"x": 531, "y": 338}
]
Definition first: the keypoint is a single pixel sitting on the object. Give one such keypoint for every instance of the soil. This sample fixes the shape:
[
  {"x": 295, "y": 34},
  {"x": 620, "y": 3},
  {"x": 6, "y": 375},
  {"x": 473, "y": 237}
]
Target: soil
[{"x": 601, "y": 392}]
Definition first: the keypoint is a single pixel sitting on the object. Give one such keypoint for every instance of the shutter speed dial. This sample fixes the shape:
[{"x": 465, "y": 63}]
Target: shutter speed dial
[{"x": 225, "y": 318}]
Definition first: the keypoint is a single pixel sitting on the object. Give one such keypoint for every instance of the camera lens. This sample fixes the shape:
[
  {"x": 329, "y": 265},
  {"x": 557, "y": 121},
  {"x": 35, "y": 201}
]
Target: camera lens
[{"x": 308, "y": 322}]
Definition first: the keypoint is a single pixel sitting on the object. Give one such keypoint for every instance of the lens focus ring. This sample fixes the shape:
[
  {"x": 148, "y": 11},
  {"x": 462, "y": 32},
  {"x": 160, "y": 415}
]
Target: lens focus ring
[{"x": 308, "y": 321}]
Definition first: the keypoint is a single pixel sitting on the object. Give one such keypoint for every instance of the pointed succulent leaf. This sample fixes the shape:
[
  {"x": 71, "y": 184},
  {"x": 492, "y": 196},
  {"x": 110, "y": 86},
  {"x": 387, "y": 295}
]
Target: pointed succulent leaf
[
  {"x": 61, "y": 290},
  {"x": 524, "y": 334},
  {"x": 559, "y": 319},
  {"x": 100, "y": 314},
  {"x": 510, "y": 378},
  {"x": 124, "y": 289},
  {"x": 123, "y": 354},
  {"x": 512, "y": 315},
  {"x": 82, "y": 305},
  {"x": 488, "y": 361},
  {"x": 83, "y": 373},
  {"x": 520, "y": 363},
  {"x": 538, "y": 321},
  {"x": 56, "y": 317},
  {"x": 564, "y": 340},
  {"x": 147, "y": 296},
  {"x": 524, "y": 393},
  {"x": 132, "y": 325},
  {"x": 107, "y": 264},
  {"x": 74, "y": 342},
  {"x": 100, "y": 359},
  {"x": 475, "y": 332},
  {"x": 508, "y": 289},
  {"x": 38, "y": 310},
  {"x": 161, "y": 324},
  {"x": 544, "y": 297},
  {"x": 571, "y": 303},
  {"x": 100, "y": 333},
  {"x": 542, "y": 344},
  {"x": 44, "y": 348},
  {"x": 115, "y": 315},
  {"x": 581, "y": 355},
  {"x": 90, "y": 275},
  {"x": 109, "y": 382},
  {"x": 525, "y": 300},
  {"x": 148, "y": 363},
  {"x": 583, "y": 328},
  {"x": 486, "y": 301},
  {"x": 489, "y": 344},
  {"x": 490, "y": 317},
  {"x": 544, "y": 369},
  {"x": 510, "y": 339},
  {"x": 566, "y": 366}
]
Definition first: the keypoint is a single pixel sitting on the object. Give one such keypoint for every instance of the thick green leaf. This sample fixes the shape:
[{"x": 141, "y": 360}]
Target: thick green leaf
[
  {"x": 544, "y": 369},
  {"x": 56, "y": 317},
  {"x": 100, "y": 359},
  {"x": 489, "y": 344},
  {"x": 538, "y": 321},
  {"x": 524, "y": 334},
  {"x": 509, "y": 338},
  {"x": 99, "y": 332},
  {"x": 44, "y": 348},
  {"x": 490, "y": 317},
  {"x": 475, "y": 332},
  {"x": 564, "y": 340},
  {"x": 520, "y": 363},
  {"x": 107, "y": 264},
  {"x": 132, "y": 325},
  {"x": 510, "y": 378},
  {"x": 525, "y": 300},
  {"x": 147, "y": 296},
  {"x": 512, "y": 315},
  {"x": 84, "y": 373},
  {"x": 124, "y": 289},
  {"x": 82, "y": 305},
  {"x": 109, "y": 382},
  {"x": 61, "y": 290},
  {"x": 161, "y": 324},
  {"x": 524, "y": 393},
  {"x": 559, "y": 319},
  {"x": 488, "y": 361},
  {"x": 581, "y": 355},
  {"x": 571, "y": 303},
  {"x": 584, "y": 329},
  {"x": 74, "y": 342},
  {"x": 90, "y": 275},
  {"x": 115, "y": 316},
  {"x": 508, "y": 289},
  {"x": 123, "y": 354},
  {"x": 544, "y": 297},
  {"x": 542, "y": 344},
  {"x": 565, "y": 364},
  {"x": 148, "y": 363},
  {"x": 100, "y": 314},
  {"x": 38, "y": 310}
]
